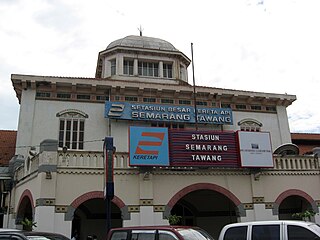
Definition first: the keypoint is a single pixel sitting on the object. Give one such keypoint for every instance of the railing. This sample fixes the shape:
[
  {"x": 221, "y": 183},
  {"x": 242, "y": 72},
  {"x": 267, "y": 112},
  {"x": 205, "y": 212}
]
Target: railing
[
  {"x": 77, "y": 159},
  {"x": 91, "y": 159},
  {"x": 121, "y": 160},
  {"x": 33, "y": 164},
  {"x": 296, "y": 163}
]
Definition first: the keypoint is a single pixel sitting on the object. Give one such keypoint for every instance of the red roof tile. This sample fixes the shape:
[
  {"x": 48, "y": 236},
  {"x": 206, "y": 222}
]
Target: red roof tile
[
  {"x": 7, "y": 146},
  {"x": 306, "y": 141},
  {"x": 305, "y": 136}
]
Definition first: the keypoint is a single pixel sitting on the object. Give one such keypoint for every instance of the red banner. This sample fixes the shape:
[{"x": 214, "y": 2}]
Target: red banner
[{"x": 203, "y": 148}]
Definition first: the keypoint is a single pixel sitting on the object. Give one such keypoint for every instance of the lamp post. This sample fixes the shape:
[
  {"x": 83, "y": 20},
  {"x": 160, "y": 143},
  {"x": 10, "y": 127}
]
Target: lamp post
[{"x": 109, "y": 184}]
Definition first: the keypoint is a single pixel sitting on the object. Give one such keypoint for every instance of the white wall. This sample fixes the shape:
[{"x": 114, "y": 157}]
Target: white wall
[
  {"x": 276, "y": 124},
  {"x": 25, "y": 125},
  {"x": 45, "y": 123}
]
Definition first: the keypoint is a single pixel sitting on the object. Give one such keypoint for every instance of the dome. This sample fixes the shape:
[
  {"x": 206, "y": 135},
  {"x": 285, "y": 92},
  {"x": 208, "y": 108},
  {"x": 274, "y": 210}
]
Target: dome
[
  {"x": 142, "y": 42},
  {"x": 287, "y": 149}
]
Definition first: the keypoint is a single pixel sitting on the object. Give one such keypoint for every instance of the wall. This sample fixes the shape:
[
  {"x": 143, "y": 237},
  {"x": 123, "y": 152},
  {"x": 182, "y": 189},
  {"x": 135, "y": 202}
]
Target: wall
[
  {"x": 44, "y": 124},
  {"x": 279, "y": 129}
]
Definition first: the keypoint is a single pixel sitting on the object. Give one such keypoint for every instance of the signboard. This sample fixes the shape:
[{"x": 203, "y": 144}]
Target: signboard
[
  {"x": 167, "y": 113},
  {"x": 203, "y": 148},
  {"x": 255, "y": 149},
  {"x": 148, "y": 146}
]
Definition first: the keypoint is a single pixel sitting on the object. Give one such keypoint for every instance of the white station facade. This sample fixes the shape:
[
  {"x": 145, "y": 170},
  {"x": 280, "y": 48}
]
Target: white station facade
[{"x": 210, "y": 156}]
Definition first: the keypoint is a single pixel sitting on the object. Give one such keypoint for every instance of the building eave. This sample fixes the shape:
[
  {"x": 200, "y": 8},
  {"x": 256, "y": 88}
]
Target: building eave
[{"x": 21, "y": 82}]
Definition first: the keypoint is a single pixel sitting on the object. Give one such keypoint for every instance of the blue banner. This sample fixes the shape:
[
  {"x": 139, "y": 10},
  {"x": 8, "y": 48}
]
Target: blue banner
[
  {"x": 148, "y": 146},
  {"x": 167, "y": 113}
]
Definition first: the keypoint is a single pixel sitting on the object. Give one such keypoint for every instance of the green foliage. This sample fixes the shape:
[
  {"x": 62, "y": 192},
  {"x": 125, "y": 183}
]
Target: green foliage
[
  {"x": 174, "y": 219},
  {"x": 28, "y": 224},
  {"x": 306, "y": 215}
]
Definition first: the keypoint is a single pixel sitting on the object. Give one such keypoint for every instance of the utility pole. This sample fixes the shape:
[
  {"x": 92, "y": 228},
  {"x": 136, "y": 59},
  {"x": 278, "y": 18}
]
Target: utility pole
[
  {"x": 194, "y": 92},
  {"x": 109, "y": 183}
]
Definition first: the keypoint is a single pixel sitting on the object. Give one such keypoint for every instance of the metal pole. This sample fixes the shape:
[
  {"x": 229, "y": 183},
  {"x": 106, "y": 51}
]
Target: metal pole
[
  {"x": 109, "y": 191},
  {"x": 194, "y": 91},
  {"x": 108, "y": 203}
]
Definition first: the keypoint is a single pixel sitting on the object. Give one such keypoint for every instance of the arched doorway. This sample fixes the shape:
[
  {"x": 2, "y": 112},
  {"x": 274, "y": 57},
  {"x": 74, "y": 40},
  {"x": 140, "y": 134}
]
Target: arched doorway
[
  {"x": 293, "y": 205},
  {"x": 292, "y": 202},
  {"x": 89, "y": 217},
  {"x": 25, "y": 209},
  {"x": 207, "y": 206}
]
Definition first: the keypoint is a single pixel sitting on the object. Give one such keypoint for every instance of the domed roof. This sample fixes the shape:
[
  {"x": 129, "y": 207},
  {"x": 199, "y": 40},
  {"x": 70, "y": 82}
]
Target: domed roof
[{"x": 142, "y": 42}]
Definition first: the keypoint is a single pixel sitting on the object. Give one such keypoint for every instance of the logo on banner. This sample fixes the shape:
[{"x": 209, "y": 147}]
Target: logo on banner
[
  {"x": 149, "y": 146},
  {"x": 255, "y": 149},
  {"x": 116, "y": 110},
  {"x": 142, "y": 147}
]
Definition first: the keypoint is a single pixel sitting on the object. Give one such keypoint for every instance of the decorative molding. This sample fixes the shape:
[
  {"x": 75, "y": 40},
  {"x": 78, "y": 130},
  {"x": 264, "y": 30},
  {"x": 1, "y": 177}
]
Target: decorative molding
[
  {"x": 133, "y": 208},
  {"x": 211, "y": 172},
  {"x": 85, "y": 171},
  {"x": 248, "y": 206},
  {"x": 61, "y": 209},
  {"x": 159, "y": 208},
  {"x": 146, "y": 202},
  {"x": 75, "y": 112},
  {"x": 133, "y": 171},
  {"x": 45, "y": 202},
  {"x": 269, "y": 205},
  {"x": 200, "y": 186},
  {"x": 256, "y": 200},
  {"x": 249, "y": 122}
]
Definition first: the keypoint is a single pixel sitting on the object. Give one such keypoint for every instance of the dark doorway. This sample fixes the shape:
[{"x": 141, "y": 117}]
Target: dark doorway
[
  {"x": 24, "y": 212},
  {"x": 292, "y": 205},
  {"x": 207, "y": 209},
  {"x": 90, "y": 218}
]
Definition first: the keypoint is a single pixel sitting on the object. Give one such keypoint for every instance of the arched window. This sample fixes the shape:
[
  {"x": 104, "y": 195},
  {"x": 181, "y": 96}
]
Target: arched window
[
  {"x": 71, "y": 128},
  {"x": 250, "y": 125}
]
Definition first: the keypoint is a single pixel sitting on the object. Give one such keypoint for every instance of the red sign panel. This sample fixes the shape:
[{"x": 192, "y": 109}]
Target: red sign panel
[{"x": 203, "y": 148}]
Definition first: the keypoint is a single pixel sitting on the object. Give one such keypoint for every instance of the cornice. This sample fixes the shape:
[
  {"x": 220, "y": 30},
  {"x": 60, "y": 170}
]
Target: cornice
[
  {"x": 94, "y": 85},
  {"x": 292, "y": 173},
  {"x": 191, "y": 172},
  {"x": 96, "y": 171}
]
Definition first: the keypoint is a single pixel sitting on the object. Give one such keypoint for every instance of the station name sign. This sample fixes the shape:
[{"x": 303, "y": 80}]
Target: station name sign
[
  {"x": 167, "y": 113},
  {"x": 203, "y": 148},
  {"x": 158, "y": 146}
]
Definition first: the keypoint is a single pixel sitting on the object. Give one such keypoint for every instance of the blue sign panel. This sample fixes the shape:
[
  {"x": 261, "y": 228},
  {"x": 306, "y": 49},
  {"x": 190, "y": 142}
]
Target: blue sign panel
[
  {"x": 148, "y": 146},
  {"x": 167, "y": 113}
]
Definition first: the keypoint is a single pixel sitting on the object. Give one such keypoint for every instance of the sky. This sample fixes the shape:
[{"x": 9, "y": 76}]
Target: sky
[{"x": 270, "y": 46}]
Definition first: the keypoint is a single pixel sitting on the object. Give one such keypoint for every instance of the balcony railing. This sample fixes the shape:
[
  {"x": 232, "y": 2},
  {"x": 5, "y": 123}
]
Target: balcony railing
[
  {"x": 121, "y": 160},
  {"x": 76, "y": 159},
  {"x": 91, "y": 159},
  {"x": 296, "y": 163}
]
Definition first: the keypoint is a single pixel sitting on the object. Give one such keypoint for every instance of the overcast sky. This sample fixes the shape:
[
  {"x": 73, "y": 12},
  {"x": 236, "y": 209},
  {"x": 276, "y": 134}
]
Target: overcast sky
[{"x": 256, "y": 45}]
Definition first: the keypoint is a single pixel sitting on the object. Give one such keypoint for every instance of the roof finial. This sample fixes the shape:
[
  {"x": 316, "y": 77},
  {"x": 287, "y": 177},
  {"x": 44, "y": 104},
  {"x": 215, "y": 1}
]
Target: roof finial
[{"x": 140, "y": 30}]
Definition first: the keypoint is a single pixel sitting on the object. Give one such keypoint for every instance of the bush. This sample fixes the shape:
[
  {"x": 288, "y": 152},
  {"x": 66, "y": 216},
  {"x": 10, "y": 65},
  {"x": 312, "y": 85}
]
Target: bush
[
  {"x": 306, "y": 215},
  {"x": 28, "y": 224},
  {"x": 174, "y": 219}
]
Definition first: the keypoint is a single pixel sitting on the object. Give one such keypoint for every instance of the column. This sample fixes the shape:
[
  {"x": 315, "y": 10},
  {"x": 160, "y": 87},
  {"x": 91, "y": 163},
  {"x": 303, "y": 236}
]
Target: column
[
  {"x": 147, "y": 214},
  {"x": 161, "y": 69},
  {"x": 119, "y": 65},
  {"x": 260, "y": 210},
  {"x": 135, "y": 67}
]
